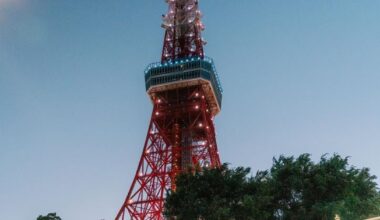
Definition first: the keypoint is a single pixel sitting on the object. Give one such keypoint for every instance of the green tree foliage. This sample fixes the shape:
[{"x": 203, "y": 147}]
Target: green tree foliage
[
  {"x": 294, "y": 189},
  {"x": 50, "y": 216}
]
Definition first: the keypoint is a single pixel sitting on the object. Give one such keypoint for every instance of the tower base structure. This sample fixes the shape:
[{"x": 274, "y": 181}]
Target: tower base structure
[{"x": 181, "y": 137}]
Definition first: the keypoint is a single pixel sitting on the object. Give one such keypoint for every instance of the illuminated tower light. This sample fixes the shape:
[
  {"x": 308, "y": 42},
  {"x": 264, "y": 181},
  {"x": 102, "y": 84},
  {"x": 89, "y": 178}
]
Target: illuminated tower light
[{"x": 207, "y": 164}]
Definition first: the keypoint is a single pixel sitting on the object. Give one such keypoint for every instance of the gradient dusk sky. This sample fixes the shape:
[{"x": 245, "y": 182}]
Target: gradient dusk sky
[{"x": 298, "y": 75}]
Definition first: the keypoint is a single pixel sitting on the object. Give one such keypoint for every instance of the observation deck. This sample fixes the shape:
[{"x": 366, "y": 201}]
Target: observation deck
[{"x": 184, "y": 73}]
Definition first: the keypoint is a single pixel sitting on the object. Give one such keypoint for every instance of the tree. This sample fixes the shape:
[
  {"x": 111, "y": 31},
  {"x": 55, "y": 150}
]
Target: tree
[
  {"x": 303, "y": 189},
  {"x": 50, "y": 216},
  {"x": 293, "y": 188},
  {"x": 212, "y": 194}
]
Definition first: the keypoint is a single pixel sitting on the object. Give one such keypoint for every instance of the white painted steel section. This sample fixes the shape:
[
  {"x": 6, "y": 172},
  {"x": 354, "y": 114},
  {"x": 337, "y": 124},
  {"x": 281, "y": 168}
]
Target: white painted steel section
[{"x": 206, "y": 86}]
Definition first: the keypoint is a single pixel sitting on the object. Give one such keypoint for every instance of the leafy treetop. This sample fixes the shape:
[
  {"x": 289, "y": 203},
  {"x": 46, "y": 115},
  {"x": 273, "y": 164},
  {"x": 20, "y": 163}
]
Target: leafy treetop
[
  {"x": 50, "y": 216},
  {"x": 293, "y": 188}
]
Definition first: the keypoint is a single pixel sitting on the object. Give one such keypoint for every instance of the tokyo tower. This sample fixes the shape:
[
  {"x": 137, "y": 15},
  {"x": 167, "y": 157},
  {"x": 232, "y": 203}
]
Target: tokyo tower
[{"x": 186, "y": 95}]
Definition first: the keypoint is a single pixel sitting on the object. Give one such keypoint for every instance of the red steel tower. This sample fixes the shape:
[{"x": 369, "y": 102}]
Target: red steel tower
[{"x": 186, "y": 95}]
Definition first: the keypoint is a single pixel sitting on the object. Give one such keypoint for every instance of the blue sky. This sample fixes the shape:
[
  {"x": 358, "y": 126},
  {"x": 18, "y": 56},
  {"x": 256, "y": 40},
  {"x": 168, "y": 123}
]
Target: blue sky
[{"x": 298, "y": 76}]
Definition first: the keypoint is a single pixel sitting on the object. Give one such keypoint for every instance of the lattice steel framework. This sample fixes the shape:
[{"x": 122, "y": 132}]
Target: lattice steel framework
[
  {"x": 183, "y": 27},
  {"x": 181, "y": 136},
  {"x": 185, "y": 97}
]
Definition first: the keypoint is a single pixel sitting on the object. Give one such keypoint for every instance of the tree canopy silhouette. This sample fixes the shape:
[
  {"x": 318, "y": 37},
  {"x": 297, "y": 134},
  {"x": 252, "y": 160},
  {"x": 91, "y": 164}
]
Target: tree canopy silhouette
[
  {"x": 293, "y": 188},
  {"x": 50, "y": 216}
]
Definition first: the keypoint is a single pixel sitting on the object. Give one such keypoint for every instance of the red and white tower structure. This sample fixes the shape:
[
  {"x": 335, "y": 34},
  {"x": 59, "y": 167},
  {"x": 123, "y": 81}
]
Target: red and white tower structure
[{"x": 186, "y": 95}]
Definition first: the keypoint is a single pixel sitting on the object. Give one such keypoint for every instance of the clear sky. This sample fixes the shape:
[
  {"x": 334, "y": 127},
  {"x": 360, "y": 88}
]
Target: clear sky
[{"x": 298, "y": 76}]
